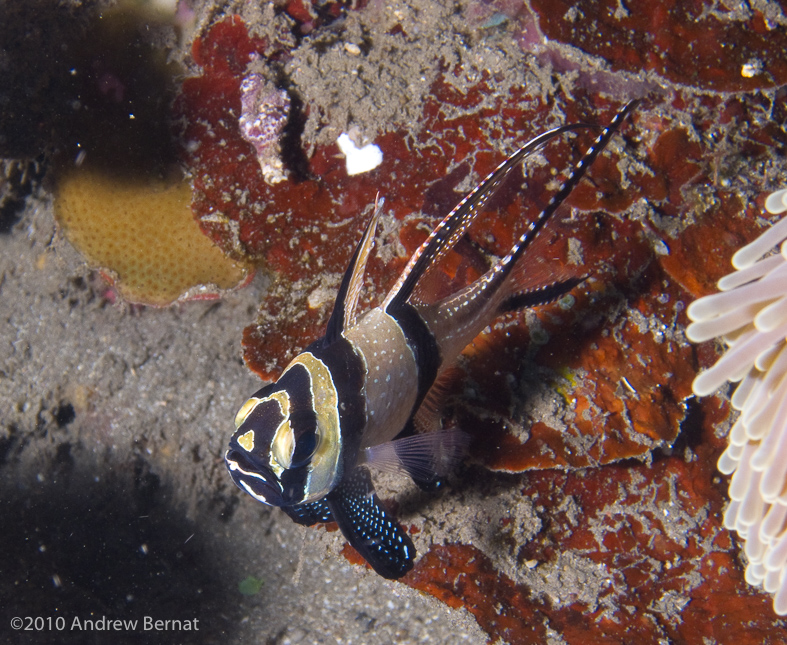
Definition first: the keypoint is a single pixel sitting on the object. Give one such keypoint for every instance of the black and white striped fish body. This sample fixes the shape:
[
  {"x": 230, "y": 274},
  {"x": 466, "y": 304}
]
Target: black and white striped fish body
[{"x": 358, "y": 395}]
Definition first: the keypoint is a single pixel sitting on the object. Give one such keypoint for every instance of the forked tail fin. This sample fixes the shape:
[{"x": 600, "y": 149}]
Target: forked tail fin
[
  {"x": 454, "y": 225},
  {"x": 511, "y": 284},
  {"x": 518, "y": 289}
]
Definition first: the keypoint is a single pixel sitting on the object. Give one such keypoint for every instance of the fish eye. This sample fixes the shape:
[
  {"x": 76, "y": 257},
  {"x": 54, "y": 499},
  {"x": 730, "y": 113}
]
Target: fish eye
[{"x": 304, "y": 449}]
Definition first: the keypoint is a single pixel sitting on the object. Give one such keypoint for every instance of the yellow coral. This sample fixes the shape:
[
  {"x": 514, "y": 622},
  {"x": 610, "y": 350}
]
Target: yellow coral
[{"x": 142, "y": 233}]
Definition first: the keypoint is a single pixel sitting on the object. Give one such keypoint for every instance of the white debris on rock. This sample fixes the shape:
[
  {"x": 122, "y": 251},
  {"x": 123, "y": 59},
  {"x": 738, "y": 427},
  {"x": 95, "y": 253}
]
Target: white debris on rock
[{"x": 359, "y": 160}]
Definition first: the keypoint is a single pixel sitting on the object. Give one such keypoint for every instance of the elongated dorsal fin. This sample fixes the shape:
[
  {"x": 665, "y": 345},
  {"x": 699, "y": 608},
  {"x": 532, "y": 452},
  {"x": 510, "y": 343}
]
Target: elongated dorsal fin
[
  {"x": 343, "y": 314},
  {"x": 455, "y": 224}
]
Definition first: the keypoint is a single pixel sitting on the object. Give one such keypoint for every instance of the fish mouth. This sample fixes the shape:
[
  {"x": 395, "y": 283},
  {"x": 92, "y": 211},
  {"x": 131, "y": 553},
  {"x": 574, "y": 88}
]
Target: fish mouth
[{"x": 259, "y": 482}]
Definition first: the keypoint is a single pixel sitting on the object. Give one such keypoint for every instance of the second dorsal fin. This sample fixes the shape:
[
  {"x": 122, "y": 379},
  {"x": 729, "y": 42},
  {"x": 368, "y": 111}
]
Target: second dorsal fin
[{"x": 448, "y": 232}]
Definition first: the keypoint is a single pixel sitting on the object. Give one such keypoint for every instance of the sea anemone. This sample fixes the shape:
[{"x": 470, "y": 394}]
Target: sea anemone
[{"x": 750, "y": 315}]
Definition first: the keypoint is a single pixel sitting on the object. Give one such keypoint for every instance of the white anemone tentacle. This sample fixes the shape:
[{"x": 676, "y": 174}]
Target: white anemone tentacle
[{"x": 750, "y": 316}]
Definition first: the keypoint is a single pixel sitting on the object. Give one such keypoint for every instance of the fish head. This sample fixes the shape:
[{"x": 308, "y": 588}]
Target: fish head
[{"x": 286, "y": 446}]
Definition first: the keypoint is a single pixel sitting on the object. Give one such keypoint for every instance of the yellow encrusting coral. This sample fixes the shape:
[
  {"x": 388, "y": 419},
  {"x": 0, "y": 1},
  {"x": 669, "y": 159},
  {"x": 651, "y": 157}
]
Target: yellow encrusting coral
[{"x": 142, "y": 233}]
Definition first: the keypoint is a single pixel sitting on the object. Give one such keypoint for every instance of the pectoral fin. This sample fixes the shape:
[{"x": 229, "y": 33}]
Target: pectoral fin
[
  {"x": 427, "y": 458},
  {"x": 377, "y": 536}
]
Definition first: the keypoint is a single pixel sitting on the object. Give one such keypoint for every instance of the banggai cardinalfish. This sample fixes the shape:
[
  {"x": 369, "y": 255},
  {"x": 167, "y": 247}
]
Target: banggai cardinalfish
[{"x": 367, "y": 393}]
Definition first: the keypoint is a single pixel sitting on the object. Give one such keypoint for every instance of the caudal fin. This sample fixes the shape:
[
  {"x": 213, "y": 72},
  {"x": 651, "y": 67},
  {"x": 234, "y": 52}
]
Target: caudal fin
[{"x": 525, "y": 284}]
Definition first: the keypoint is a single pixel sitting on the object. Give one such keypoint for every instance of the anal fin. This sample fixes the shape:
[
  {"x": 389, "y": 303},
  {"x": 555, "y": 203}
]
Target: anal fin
[{"x": 377, "y": 536}]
